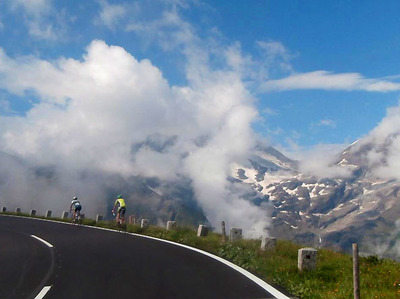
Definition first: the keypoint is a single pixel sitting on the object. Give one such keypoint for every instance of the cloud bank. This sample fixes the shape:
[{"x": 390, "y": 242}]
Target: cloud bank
[
  {"x": 383, "y": 155},
  {"x": 110, "y": 113},
  {"x": 329, "y": 81}
]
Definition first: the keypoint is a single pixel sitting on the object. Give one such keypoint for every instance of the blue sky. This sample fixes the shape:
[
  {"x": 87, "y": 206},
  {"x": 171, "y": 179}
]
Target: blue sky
[
  {"x": 178, "y": 89},
  {"x": 319, "y": 72}
]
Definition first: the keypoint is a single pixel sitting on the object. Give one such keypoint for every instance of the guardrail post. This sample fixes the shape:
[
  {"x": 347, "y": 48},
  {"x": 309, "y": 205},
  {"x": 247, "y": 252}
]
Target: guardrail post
[
  {"x": 356, "y": 272},
  {"x": 33, "y": 212},
  {"x": 3, "y": 209},
  {"x": 144, "y": 223},
  {"x": 48, "y": 214},
  {"x": 64, "y": 215},
  {"x": 99, "y": 218},
  {"x": 171, "y": 225},
  {"x": 18, "y": 210},
  {"x": 223, "y": 231},
  {"x": 202, "y": 231},
  {"x": 235, "y": 234},
  {"x": 307, "y": 259},
  {"x": 268, "y": 243}
]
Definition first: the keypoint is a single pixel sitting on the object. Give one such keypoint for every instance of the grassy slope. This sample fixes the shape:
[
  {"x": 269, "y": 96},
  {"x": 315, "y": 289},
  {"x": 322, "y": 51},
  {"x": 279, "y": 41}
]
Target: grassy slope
[{"x": 333, "y": 277}]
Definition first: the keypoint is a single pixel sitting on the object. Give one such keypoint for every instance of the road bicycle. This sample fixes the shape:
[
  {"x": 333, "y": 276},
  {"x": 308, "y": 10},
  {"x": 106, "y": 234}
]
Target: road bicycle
[
  {"x": 121, "y": 223},
  {"x": 76, "y": 217}
]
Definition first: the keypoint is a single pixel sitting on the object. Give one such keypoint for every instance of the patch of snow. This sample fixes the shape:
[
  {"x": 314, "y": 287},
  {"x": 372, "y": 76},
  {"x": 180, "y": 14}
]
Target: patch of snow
[
  {"x": 155, "y": 191},
  {"x": 366, "y": 191},
  {"x": 291, "y": 192},
  {"x": 323, "y": 192}
]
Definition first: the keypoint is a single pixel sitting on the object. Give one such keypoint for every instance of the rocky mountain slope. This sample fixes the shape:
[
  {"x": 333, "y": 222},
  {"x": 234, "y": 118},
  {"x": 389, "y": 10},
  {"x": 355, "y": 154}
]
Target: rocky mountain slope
[{"x": 334, "y": 212}]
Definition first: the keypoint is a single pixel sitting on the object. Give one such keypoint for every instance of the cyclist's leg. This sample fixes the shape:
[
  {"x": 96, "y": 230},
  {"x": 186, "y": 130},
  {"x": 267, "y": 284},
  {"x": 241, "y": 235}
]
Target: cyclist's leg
[
  {"x": 118, "y": 215},
  {"x": 78, "y": 213},
  {"x": 123, "y": 215}
]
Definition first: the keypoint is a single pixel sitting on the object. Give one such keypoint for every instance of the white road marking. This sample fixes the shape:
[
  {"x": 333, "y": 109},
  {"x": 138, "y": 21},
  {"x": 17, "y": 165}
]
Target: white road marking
[
  {"x": 43, "y": 292},
  {"x": 43, "y": 241}
]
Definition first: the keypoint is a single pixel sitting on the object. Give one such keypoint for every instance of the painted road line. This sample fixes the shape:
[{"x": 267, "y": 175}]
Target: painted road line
[
  {"x": 43, "y": 292},
  {"x": 252, "y": 277},
  {"x": 43, "y": 241}
]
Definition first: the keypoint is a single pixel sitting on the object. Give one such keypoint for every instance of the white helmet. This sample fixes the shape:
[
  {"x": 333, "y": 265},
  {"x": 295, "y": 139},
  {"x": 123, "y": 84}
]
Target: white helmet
[{"x": 75, "y": 198}]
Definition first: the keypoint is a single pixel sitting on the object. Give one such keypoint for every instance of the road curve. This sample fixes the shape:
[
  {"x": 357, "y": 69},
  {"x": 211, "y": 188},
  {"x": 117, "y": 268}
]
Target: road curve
[{"x": 95, "y": 263}]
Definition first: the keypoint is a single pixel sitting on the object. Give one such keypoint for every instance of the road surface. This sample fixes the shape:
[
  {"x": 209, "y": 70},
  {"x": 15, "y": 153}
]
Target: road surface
[{"x": 45, "y": 259}]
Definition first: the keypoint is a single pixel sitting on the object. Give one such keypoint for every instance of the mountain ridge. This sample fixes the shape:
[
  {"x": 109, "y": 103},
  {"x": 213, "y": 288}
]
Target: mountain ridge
[{"x": 335, "y": 212}]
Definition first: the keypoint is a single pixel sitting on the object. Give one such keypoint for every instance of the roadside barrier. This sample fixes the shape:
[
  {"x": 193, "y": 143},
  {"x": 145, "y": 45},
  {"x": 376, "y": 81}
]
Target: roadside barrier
[
  {"x": 171, "y": 225},
  {"x": 307, "y": 259},
  {"x": 144, "y": 223},
  {"x": 268, "y": 243},
  {"x": 202, "y": 231},
  {"x": 235, "y": 234}
]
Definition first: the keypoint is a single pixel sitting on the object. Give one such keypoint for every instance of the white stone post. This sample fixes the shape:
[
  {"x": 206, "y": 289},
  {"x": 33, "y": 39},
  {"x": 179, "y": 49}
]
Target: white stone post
[
  {"x": 33, "y": 212},
  {"x": 171, "y": 225},
  {"x": 64, "y": 215},
  {"x": 268, "y": 243},
  {"x": 144, "y": 223},
  {"x": 99, "y": 218},
  {"x": 18, "y": 210},
  {"x": 4, "y": 209},
  {"x": 235, "y": 234},
  {"x": 307, "y": 259},
  {"x": 202, "y": 231},
  {"x": 48, "y": 214}
]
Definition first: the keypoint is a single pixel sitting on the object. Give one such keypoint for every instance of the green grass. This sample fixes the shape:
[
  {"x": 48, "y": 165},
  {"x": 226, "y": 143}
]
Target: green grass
[{"x": 332, "y": 279}]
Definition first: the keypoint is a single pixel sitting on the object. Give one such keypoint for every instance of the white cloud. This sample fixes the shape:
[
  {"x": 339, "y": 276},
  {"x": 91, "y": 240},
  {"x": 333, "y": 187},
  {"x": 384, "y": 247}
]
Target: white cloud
[
  {"x": 321, "y": 160},
  {"x": 110, "y": 113},
  {"x": 33, "y": 7},
  {"x": 383, "y": 142},
  {"x": 275, "y": 53},
  {"x": 43, "y": 21},
  {"x": 329, "y": 81},
  {"x": 327, "y": 123},
  {"x": 110, "y": 15}
]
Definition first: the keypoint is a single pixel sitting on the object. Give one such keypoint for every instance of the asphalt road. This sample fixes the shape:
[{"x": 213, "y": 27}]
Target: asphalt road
[{"x": 93, "y": 263}]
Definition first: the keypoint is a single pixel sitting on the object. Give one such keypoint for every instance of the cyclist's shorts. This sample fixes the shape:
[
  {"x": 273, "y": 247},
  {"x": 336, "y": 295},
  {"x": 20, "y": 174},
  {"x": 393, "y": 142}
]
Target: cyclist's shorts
[
  {"x": 78, "y": 208},
  {"x": 122, "y": 211}
]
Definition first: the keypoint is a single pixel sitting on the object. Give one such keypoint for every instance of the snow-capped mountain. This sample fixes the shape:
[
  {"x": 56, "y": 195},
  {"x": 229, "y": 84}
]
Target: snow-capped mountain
[{"x": 334, "y": 212}]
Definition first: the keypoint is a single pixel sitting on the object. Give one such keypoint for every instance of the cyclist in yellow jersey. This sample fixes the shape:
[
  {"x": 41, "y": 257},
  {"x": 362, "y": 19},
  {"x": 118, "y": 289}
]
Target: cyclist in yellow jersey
[{"x": 120, "y": 203}]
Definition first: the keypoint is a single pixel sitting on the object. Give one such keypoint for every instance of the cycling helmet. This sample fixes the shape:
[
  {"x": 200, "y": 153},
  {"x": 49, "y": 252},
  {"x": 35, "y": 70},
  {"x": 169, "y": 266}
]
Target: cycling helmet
[
  {"x": 119, "y": 196},
  {"x": 75, "y": 198}
]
